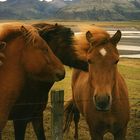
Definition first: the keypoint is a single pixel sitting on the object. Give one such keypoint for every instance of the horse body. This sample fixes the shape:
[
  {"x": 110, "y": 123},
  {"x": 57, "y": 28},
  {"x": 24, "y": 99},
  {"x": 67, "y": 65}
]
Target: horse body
[
  {"x": 101, "y": 94},
  {"x": 114, "y": 121},
  {"x": 34, "y": 95},
  {"x": 20, "y": 53},
  {"x": 30, "y": 109}
]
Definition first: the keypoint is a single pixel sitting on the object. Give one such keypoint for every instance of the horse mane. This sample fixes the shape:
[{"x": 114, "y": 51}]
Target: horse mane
[
  {"x": 61, "y": 40},
  {"x": 81, "y": 44},
  {"x": 55, "y": 32},
  {"x": 44, "y": 25},
  {"x": 9, "y": 31}
]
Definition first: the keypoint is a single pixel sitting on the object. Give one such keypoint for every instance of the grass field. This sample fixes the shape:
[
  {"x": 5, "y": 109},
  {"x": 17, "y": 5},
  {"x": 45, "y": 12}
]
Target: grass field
[
  {"x": 82, "y": 24},
  {"x": 130, "y": 69}
]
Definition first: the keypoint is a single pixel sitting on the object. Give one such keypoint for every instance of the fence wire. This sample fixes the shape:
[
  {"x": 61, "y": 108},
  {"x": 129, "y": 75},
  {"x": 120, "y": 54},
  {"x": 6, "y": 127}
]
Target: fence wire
[{"x": 133, "y": 127}]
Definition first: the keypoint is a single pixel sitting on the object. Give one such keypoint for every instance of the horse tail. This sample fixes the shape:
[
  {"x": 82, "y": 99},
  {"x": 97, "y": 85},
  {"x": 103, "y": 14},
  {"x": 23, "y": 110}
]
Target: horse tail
[{"x": 70, "y": 113}]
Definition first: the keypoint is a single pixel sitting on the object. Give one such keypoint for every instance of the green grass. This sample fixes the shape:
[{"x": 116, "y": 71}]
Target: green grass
[{"x": 122, "y": 24}]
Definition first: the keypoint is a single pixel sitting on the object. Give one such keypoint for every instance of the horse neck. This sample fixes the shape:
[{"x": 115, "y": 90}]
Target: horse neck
[
  {"x": 11, "y": 78},
  {"x": 11, "y": 75}
]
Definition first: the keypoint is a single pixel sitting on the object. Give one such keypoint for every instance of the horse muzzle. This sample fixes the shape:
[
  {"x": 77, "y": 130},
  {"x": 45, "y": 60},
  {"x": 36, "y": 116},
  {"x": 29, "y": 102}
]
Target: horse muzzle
[
  {"x": 102, "y": 103},
  {"x": 59, "y": 75}
]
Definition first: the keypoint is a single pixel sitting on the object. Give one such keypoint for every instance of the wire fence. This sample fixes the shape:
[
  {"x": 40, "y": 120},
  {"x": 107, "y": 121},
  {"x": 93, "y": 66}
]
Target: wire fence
[{"x": 132, "y": 134}]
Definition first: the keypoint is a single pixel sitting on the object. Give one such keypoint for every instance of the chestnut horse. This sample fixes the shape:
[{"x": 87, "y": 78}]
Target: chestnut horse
[
  {"x": 23, "y": 53},
  {"x": 100, "y": 95},
  {"x": 34, "y": 95}
]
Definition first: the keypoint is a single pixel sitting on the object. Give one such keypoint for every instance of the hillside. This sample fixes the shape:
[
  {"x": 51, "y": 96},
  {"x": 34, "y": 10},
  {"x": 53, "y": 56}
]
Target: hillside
[
  {"x": 102, "y": 10},
  {"x": 76, "y": 9}
]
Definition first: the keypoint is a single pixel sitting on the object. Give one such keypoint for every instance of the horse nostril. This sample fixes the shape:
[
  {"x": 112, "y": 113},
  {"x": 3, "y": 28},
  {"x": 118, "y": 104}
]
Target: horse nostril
[
  {"x": 60, "y": 75},
  {"x": 102, "y": 103}
]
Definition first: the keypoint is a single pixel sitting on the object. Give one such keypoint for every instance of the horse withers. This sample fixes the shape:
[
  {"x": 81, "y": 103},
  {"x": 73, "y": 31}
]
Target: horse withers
[
  {"x": 100, "y": 95},
  {"x": 23, "y": 53}
]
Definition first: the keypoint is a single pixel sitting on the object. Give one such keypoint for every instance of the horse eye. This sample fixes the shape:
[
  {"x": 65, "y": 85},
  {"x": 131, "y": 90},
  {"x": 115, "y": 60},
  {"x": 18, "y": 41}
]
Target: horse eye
[
  {"x": 2, "y": 45},
  {"x": 117, "y": 61}
]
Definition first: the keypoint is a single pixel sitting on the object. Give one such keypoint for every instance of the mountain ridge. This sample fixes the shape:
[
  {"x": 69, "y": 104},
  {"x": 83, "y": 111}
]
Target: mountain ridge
[{"x": 74, "y": 10}]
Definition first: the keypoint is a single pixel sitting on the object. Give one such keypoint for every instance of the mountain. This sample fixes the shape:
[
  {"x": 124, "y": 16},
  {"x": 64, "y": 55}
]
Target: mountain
[
  {"x": 29, "y": 9},
  {"x": 102, "y": 10},
  {"x": 71, "y": 9}
]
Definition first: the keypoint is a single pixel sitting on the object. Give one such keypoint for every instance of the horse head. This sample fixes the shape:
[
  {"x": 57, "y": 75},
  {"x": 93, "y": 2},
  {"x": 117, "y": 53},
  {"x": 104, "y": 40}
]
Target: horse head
[
  {"x": 102, "y": 57},
  {"x": 25, "y": 48}
]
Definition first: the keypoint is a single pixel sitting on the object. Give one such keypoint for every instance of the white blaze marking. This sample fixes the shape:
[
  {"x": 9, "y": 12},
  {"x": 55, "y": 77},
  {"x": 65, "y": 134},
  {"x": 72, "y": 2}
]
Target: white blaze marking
[{"x": 103, "y": 52}]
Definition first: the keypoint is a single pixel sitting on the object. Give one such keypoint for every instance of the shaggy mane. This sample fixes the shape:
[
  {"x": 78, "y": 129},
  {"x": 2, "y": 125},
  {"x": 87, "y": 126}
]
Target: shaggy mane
[
  {"x": 81, "y": 44},
  {"x": 61, "y": 36},
  {"x": 9, "y": 31}
]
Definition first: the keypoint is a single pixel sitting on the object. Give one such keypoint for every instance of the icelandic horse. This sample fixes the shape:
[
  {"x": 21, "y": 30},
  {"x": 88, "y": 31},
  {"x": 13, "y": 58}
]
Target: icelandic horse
[
  {"x": 100, "y": 94},
  {"x": 23, "y": 54},
  {"x": 34, "y": 96}
]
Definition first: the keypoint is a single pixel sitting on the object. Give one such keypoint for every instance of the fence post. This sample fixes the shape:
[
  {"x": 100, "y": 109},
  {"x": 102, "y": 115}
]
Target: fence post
[{"x": 57, "y": 102}]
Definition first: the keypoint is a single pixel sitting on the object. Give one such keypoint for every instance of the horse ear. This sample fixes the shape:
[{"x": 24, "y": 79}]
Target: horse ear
[
  {"x": 24, "y": 30},
  {"x": 2, "y": 45},
  {"x": 89, "y": 36},
  {"x": 116, "y": 37}
]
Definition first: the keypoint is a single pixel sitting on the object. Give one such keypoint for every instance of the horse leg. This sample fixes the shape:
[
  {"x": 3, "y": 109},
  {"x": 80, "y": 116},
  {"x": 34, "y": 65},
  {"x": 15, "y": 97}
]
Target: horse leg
[
  {"x": 39, "y": 128},
  {"x": 121, "y": 134},
  {"x": 20, "y": 127},
  {"x": 76, "y": 121}
]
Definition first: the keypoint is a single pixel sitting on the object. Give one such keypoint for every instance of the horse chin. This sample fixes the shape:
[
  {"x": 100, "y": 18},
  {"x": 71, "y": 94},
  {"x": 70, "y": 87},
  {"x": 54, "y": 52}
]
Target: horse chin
[
  {"x": 57, "y": 79},
  {"x": 45, "y": 79},
  {"x": 103, "y": 109}
]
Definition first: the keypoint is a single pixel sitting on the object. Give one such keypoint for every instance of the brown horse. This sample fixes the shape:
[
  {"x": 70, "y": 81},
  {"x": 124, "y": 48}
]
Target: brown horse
[
  {"x": 34, "y": 95},
  {"x": 100, "y": 95},
  {"x": 25, "y": 54}
]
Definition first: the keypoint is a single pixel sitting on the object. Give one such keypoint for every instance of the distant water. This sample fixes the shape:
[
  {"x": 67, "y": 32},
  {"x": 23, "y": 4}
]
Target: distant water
[
  {"x": 130, "y": 42},
  {"x": 131, "y": 56}
]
